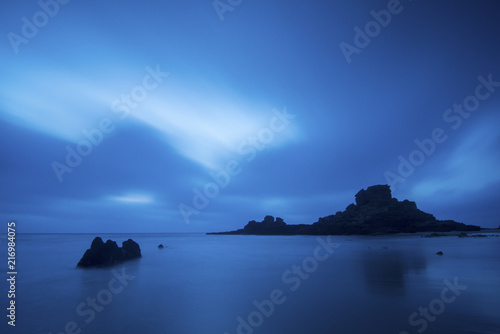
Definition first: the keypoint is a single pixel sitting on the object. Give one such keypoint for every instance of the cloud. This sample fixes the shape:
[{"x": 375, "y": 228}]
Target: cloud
[
  {"x": 207, "y": 127},
  {"x": 202, "y": 131},
  {"x": 132, "y": 199},
  {"x": 203, "y": 124},
  {"x": 471, "y": 166},
  {"x": 63, "y": 109}
]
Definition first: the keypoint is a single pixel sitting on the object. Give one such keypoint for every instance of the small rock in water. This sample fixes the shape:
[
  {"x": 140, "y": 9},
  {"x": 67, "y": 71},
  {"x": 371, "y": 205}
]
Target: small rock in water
[
  {"x": 439, "y": 253},
  {"x": 160, "y": 246}
]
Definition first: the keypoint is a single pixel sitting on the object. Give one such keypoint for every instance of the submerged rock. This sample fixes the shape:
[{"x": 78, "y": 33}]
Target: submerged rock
[
  {"x": 160, "y": 246},
  {"x": 465, "y": 235},
  {"x": 102, "y": 254},
  {"x": 435, "y": 235},
  {"x": 439, "y": 253}
]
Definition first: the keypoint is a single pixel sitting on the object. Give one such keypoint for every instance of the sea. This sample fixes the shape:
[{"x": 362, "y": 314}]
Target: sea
[{"x": 235, "y": 284}]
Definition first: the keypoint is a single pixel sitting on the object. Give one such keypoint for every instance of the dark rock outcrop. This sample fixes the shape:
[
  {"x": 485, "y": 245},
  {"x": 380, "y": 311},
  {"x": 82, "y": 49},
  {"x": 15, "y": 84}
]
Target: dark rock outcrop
[
  {"x": 160, "y": 246},
  {"x": 375, "y": 195},
  {"x": 268, "y": 225},
  {"x": 103, "y": 254},
  {"x": 375, "y": 212}
]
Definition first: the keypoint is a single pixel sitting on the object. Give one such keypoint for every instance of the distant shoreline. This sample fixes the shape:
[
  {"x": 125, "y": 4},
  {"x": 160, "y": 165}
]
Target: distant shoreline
[
  {"x": 450, "y": 233},
  {"x": 401, "y": 234},
  {"x": 454, "y": 233}
]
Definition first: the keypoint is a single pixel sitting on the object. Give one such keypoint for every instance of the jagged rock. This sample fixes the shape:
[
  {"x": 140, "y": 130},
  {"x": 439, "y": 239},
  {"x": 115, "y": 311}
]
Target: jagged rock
[
  {"x": 267, "y": 226},
  {"x": 375, "y": 195},
  {"x": 103, "y": 254},
  {"x": 268, "y": 220},
  {"x": 131, "y": 249},
  {"x": 375, "y": 212}
]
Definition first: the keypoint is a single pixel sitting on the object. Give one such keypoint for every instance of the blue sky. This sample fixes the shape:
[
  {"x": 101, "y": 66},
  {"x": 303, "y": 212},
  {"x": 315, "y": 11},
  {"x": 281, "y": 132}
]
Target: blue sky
[{"x": 195, "y": 116}]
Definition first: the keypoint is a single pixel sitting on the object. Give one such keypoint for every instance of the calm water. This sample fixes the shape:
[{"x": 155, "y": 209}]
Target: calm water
[{"x": 259, "y": 284}]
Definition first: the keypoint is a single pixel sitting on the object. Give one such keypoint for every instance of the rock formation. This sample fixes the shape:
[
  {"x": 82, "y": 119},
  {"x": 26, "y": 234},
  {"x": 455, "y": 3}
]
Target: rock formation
[
  {"x": 375, "y": 212},
  {"x": 267, "y": 225},
  {"x": 103, "y": 254}
]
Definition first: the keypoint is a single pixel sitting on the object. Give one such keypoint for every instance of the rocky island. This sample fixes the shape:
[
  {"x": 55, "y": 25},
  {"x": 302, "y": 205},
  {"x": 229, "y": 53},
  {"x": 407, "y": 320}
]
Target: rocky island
[
  {"x": 103, "y": 254},
  {"x": 375, "y": 212}
]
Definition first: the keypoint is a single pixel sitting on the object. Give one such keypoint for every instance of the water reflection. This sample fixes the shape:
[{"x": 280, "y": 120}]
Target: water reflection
[{"x": 386, "y": 269}]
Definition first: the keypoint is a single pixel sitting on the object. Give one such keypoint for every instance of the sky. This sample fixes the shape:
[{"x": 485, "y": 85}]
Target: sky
[{"x": 199, "y": 116}]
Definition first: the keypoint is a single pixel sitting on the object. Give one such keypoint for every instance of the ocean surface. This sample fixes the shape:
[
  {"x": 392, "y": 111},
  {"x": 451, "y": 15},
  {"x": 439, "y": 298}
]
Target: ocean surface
[{"x": 203, "y": 284}]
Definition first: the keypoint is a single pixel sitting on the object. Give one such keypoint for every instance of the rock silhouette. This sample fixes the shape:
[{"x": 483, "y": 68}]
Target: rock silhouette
[
  {"x": 375, "y": 212},
  {"x": 103, "y": 254}
]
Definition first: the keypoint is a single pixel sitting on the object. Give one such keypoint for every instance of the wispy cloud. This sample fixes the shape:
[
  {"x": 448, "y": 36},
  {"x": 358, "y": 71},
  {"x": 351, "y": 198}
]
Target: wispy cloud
[
  {"x": 471, "y": 166},
  {"x": 132, "y": 199},
  {"x": 204, "y": 125},
  {"x": 61, "y": 109}
]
